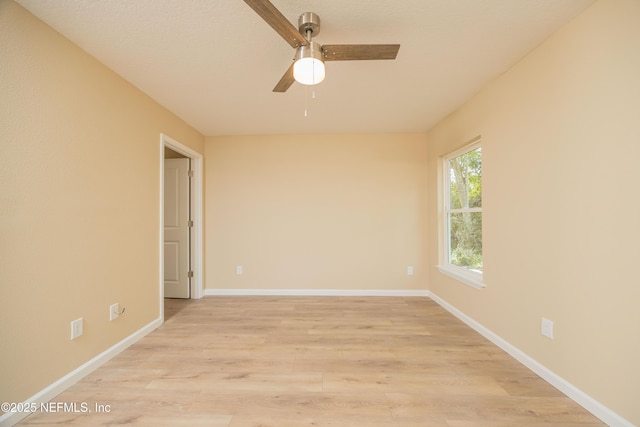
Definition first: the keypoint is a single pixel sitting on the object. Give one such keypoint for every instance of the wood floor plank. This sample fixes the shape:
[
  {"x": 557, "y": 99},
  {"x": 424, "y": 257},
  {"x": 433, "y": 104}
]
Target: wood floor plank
[
  {"x": 315, "y": 361},
  {"x": 242, "y": 381}
]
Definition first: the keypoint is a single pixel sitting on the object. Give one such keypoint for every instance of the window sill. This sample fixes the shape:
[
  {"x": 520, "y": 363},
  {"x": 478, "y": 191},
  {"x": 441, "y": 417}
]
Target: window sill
[{"x": 471, "y": 279}]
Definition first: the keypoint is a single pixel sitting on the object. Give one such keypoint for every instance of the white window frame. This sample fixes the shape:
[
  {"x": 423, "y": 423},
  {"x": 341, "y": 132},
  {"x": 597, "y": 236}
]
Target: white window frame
[{"x": 466, "y": 276}]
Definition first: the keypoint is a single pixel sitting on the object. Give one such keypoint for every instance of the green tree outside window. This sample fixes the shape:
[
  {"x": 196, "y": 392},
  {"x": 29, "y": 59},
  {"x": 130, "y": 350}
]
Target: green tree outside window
[{"x": 464, "y": 210}]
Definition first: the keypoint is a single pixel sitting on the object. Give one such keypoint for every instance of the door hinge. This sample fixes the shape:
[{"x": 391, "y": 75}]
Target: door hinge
[
  {"x": 190, "y": 223},
  {"x": 190, "y": 174},
  {"x": 190, "y": 274}
]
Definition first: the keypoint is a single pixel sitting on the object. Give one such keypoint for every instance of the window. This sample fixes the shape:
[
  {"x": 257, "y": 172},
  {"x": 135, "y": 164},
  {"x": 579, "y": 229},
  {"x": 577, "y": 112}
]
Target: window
[{"x": 461, "y": 256}]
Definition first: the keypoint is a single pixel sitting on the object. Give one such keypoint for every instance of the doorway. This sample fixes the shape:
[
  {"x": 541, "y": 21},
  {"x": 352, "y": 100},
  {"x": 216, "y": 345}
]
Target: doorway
[{"x": 170, "y": 148}]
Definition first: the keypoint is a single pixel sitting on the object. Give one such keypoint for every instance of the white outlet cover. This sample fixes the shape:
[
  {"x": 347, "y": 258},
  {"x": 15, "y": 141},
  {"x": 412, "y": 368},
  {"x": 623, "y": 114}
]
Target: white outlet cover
[
  {"x": 76, "y": 328},
  {"x": 114, "y": 311},
  {"x": 239, "y": 270},
  {"x": 410, "y": 270},
  {"x": 546, "y": 328}
]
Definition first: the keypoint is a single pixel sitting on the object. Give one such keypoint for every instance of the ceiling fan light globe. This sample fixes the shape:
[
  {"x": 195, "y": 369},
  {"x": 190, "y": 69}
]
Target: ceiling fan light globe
[{"x": 308, "y": 71}]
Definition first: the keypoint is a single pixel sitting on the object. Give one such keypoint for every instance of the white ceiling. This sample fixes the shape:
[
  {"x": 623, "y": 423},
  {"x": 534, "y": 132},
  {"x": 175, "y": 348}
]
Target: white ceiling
[{"x": 214, "y": 63}]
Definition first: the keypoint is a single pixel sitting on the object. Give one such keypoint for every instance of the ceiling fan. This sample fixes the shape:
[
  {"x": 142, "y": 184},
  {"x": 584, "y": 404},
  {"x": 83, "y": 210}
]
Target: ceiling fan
[{"x": 308, "y": 65}]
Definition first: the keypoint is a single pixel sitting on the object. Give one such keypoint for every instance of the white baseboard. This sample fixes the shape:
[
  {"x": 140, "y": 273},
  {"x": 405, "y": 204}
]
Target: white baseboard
[
  {"x": 315, "y": 292},
  {"x": 48, "y": 393},
  {"x": 590, "y": 404}
]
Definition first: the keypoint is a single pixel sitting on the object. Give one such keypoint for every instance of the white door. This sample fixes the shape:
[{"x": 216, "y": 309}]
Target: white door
[{"x": 176, "y": 228}]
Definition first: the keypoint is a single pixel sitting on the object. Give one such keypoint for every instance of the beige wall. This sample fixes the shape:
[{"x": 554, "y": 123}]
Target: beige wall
[
  {"x": 561, "y": 152},
  {"x": 79, "y": 200},
  {"x": 316, "y": 211}
]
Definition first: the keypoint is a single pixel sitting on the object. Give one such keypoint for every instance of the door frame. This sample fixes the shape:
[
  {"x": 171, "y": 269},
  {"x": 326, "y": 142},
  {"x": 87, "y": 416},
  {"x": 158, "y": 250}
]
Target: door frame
[{"x": 196, "y": 216}]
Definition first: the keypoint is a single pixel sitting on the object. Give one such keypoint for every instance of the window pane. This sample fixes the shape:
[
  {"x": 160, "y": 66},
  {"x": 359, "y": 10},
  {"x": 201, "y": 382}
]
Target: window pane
[
  {"x": 465, "y": 240},
  {"x": 465, "y": 188}
]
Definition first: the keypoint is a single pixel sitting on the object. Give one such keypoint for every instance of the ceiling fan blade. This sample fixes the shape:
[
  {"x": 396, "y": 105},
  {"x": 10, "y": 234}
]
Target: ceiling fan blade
[
  {"x": 278, "y": 22},
  {"x": 349, "y": 52},
  {"x": 286, "y": 81}
]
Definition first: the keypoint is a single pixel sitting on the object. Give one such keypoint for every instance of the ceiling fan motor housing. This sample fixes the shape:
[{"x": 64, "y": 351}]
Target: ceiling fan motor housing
[{"x": 314, "y": 50}]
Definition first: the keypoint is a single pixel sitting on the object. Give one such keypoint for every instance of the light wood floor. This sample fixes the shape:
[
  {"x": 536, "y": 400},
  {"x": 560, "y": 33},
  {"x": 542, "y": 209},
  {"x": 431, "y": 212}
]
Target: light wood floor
[{"x": 322, "y": 361}]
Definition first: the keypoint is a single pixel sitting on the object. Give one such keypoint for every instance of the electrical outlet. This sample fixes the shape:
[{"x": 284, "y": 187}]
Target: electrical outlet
[
  {"x": 76, "y": 328},
  {"x": 546, "y": 328},
  {"x": 410, "y": 270},
  {"x": 239, "y": 270},
  {"x": 114, "y": 311}
]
